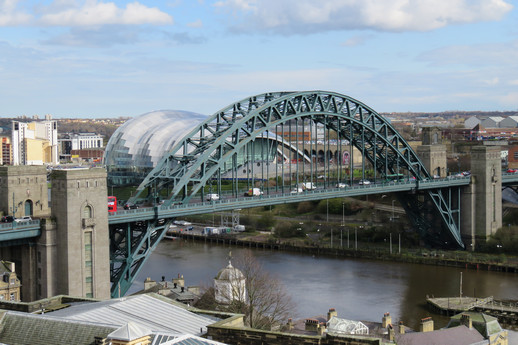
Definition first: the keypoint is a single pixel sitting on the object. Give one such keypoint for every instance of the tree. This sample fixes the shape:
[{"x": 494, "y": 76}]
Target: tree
[{"x": 262, "y": 298}]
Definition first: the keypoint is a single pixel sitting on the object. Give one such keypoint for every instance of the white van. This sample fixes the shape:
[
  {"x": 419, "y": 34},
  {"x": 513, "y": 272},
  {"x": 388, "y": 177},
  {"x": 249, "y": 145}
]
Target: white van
[
  {"x": 254, "y": 192},
  {"x": 211, "y": 197},
  {"x": 239, "y": 227},
  {"x": 307, "y": 185}
]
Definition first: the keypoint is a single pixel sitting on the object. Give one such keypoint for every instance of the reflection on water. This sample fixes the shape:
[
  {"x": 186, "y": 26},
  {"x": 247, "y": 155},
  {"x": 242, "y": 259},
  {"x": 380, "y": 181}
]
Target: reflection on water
[{"x": 357, "y": 289}]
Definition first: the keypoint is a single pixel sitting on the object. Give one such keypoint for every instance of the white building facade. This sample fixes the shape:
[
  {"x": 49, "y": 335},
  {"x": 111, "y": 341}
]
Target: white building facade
[{"x": 34, "y": 143}]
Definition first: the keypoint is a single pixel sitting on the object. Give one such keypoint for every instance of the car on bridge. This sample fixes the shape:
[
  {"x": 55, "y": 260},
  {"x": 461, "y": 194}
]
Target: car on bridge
[
  {"x": 364, "y": 182},
  {"x": 212, "y": 197},
  {"x": 342, "y": 185},
  {"x": 7, "y": 219},
  {"x": 23, "y": 219},
  {"x": 130, "y": 206},
  {"x": 512, "y": 171}
]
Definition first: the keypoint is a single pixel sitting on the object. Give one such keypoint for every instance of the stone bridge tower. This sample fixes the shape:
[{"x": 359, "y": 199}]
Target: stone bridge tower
[
  {"x": 482, "y": 199},
  {"x": 72, "y": 254},
  {"x": 79, "y": 207},
  {"x": 432, "y": 152}
]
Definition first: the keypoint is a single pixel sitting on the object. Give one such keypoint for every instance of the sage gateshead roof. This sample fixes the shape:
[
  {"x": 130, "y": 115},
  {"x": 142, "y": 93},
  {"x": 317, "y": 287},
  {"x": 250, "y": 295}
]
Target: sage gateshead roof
[{"x": 136, "y": 147}]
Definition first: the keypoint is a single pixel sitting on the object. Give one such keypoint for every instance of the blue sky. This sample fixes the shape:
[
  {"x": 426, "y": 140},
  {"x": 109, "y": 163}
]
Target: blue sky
[{"x": 93, "y": 58}]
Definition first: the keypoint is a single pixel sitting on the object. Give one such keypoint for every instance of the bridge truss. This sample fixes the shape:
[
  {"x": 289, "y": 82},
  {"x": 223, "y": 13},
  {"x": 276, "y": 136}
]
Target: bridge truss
[{"x": 282, "y": 142}]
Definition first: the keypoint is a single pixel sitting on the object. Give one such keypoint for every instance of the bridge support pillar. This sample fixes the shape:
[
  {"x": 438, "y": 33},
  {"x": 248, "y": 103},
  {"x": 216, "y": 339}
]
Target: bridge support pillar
[
  {"x": 79, "y": 207},
  {"x": 433, "y": 153},
  {"x": 481, "y": 205}
]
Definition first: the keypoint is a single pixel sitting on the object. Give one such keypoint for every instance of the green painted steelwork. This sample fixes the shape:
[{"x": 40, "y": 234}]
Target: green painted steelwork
[{"x": 224, "y": 143}]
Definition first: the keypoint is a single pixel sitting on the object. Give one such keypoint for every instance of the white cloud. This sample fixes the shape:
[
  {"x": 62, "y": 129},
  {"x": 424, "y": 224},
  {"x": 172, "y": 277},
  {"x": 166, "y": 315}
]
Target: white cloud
[
  {"x": 196, "y": 24},
  {"x": 495, "y": 54},
  {"x": 356, "y": 40},
  {"x": 491, "y": 82},
  {"x": 9, "y": 16},
  {"x": 95, "y": 13},
  {"x": 308, "y": 16}
]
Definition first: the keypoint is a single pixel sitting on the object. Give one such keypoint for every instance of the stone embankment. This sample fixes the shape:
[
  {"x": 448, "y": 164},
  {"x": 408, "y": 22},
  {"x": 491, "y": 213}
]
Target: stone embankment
[{"x": 377, "y": 254}]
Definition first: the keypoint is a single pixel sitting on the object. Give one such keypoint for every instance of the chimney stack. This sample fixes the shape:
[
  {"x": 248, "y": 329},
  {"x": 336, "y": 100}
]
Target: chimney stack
[
  {"x": 401, "y": 328},
  {"x": 289, "y": 324},
  {"x": 321, "y": 329},
  {"x": 391, "y": 332},
  {"x": 311, "y": 325},
  {"x": 426, "y": 325},
  {"x": 332, "y": 312},
  {"x": 465, "y": 320},
  {"x": 387, "y": 320}
]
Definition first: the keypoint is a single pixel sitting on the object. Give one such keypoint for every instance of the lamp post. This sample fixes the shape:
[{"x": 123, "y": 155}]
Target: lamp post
[
  {"x": 342, "y": 227},
  {"x": 393, "y": 200}
]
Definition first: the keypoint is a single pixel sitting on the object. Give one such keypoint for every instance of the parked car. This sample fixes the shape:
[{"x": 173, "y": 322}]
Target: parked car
[
  {"x": 130, "y": 206},
  {"x": 7, "y": 219}
]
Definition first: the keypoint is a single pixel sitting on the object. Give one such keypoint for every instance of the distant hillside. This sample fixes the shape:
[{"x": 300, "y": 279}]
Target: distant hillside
[
  {"x": 105, "y": 127},
  {"x": 457, "y": 113}
]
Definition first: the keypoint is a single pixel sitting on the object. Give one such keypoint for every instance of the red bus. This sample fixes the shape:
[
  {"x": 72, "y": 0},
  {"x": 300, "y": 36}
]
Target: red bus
[{"x": 112, "y": 204}]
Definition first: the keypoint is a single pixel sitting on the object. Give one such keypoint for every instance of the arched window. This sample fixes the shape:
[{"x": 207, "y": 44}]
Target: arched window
[{"x": 87, "y": 212}]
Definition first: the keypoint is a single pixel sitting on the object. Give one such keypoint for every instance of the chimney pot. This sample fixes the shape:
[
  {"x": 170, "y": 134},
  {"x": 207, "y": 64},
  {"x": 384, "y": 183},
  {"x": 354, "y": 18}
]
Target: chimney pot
[{"x": 426, "y": 325}]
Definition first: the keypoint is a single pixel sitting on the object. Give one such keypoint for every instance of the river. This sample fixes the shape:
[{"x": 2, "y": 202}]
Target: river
[{"x": 358, "y": 289}]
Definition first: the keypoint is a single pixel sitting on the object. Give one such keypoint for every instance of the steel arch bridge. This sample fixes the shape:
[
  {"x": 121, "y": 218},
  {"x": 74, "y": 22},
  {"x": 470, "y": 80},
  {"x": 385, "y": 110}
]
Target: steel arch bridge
[{"x": 199, "y": 164}]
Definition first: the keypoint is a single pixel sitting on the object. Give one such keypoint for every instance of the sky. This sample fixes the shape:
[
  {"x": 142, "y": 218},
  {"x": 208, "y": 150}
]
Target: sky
[{"x": 97, "y": 59}]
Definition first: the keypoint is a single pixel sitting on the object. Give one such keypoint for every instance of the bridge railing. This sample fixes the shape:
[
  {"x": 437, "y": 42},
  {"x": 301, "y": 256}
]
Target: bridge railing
[
  {"x": 19, "y": 230},
  {"x": 227, "y": 199}
]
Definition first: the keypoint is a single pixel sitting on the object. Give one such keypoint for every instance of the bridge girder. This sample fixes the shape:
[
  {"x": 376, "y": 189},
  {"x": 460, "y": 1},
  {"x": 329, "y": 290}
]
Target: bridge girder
[
  {"x": 200, "y": 157},
  {"x": 202, "y": 153}
]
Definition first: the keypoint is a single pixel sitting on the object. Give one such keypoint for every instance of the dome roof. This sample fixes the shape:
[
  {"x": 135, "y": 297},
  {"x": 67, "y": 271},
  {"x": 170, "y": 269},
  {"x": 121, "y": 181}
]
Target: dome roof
[
  {"x": 230, "y": 273},
  {"x": 139, "y": 144}
]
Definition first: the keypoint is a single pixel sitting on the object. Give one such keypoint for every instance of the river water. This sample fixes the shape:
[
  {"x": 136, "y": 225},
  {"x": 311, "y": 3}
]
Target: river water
[{"x": 358, "y": 289}]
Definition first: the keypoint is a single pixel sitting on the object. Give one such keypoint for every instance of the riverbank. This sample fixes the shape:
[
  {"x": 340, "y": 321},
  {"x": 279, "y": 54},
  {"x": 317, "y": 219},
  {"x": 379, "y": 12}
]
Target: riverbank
[{"x": 438, "y": 258}]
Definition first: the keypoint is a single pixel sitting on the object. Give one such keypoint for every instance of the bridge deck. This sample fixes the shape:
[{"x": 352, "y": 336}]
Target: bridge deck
[{"x": 227, "y": 202}]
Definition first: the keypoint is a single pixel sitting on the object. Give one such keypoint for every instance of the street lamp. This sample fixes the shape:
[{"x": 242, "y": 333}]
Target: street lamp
[{"x": 393, "y": 200}]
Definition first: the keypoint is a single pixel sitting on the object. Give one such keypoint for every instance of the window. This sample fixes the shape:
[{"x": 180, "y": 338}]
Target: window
[
  {"x": 87, "y": 212},
  {"x": 12, "y": 296}
]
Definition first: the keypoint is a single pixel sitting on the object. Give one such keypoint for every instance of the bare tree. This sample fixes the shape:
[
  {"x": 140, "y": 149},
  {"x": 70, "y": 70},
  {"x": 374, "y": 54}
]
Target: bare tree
[
  {"x": 267, "y": 303},
  {"x": 257, "y": 294}
]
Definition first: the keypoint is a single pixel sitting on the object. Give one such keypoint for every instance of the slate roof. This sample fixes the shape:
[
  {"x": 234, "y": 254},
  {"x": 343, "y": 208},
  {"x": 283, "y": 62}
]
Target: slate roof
[
  {"x": 18, "y": 328},
  {"x": 485, "y": 324},
  {"x": 152, "y": 311},
  {"x": 460, "y": 335}
]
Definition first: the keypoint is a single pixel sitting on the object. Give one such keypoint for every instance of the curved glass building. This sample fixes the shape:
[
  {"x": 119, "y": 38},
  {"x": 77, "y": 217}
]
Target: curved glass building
[{"x": 136, "y": 147}]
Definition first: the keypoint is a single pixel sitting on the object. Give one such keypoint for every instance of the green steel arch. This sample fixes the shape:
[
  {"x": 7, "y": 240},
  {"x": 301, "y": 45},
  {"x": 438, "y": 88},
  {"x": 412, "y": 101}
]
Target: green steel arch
[{"x": 200, "y": 155}]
